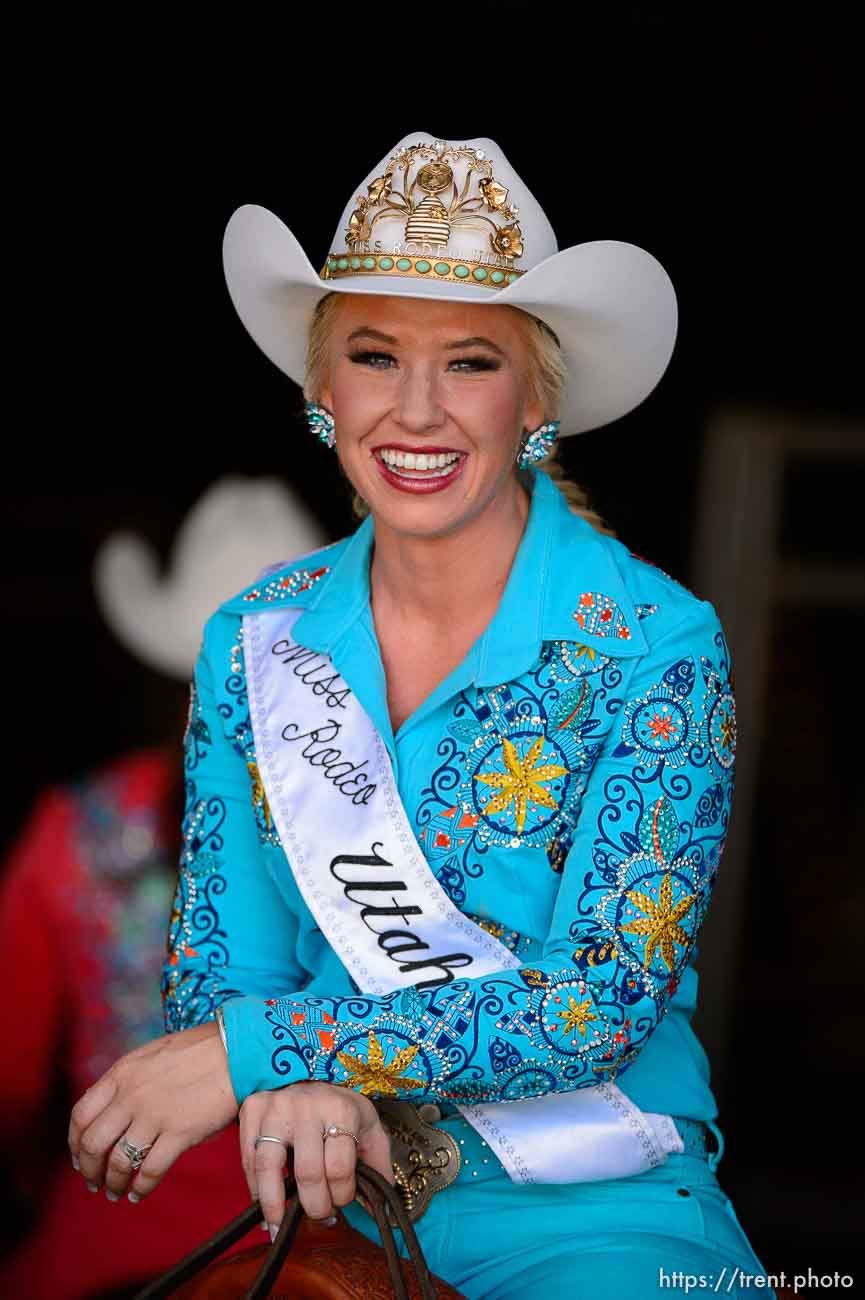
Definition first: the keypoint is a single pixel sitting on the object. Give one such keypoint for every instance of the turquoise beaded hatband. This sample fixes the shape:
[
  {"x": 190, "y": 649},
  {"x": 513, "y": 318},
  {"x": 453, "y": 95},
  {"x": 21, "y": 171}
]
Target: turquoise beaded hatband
[{"x": 455, "y": 269}]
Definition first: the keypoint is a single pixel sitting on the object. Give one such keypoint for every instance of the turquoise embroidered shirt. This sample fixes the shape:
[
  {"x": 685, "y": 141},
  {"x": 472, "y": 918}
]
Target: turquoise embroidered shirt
[{"x": 569, "y": 784}]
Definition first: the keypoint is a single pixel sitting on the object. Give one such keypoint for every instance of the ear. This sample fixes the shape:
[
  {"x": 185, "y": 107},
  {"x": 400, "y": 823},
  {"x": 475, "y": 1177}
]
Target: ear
[
  {"x": 325, "y": 393},
  {"x": 533, "y": 415}
]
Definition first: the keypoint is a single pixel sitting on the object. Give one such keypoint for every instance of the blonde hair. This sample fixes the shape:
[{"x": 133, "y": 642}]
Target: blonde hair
[{"x": 546, "y": 373}]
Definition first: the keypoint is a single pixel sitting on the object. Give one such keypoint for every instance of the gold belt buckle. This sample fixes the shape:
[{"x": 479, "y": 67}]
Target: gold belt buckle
[{"x": 425, "y": 1159}]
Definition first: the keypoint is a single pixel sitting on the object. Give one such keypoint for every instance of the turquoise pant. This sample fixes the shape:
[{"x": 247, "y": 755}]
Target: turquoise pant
[{"x": 669, "y": 1231}]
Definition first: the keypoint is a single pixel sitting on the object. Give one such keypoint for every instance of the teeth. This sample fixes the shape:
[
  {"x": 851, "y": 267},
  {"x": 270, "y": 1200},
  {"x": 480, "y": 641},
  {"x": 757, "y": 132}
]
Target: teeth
[{"x": 419, "y": 461}]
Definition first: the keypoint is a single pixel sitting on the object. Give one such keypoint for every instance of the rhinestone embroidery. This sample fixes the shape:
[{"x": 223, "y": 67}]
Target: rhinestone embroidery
[
  {"x": 512, "y": 939},
  {"x": 291, "y": 585},
  {"x": 599, "y": 615}
]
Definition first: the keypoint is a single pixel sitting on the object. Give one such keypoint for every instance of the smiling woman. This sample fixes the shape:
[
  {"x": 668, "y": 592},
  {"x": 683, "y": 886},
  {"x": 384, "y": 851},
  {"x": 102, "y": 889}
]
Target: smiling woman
[
  {"x": 410, "y": 379},
  {"x": 481, "y": 971},
  {"x": 545, "y": 373}
]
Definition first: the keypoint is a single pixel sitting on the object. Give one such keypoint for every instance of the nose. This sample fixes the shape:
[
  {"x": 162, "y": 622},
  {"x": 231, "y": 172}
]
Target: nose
[{"x": 419, "y": 406}]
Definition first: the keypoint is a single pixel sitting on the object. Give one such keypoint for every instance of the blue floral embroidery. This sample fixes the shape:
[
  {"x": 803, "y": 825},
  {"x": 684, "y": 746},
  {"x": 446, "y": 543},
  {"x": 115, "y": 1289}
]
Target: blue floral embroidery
[
  {"x": 719, "y": 717},
  {"x": 192, "y": 984},
  {"x": 636, "y": 934},
  {"x": 451, "y": 879},
  {"x": 574, "y": 659},
  {"x": 510, "y": 939},
  {"x": 243, "y": 743},
  {"x": 651, "y": 911},
  {"x": 196, "y": 738},
  {"x": 517, "y": 762},
  {"x": 659, "y": 724},
  {"x": 236, "y": 709}
]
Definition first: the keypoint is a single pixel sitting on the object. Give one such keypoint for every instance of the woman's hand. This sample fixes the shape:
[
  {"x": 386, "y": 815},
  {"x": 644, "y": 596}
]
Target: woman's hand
[
  {"x": 299, "y": 1115},
  {"x": 169, "y": 1095}
]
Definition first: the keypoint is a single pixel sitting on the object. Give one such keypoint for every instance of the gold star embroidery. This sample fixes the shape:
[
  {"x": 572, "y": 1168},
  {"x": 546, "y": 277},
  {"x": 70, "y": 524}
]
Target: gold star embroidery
[
  {"x": 660, "y": 923},
  {"x": 521, "y": 782},
  {"x": 581, "y": 651},
  {"x": 576, "y": 1017},
  {"x": 259, "y": 798},
  {"x": 726, "y": 728},
  {"x": 372, "y": 1076}
]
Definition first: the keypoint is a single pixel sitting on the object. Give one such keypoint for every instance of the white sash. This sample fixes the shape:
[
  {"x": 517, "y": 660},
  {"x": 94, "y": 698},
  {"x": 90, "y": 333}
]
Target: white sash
[{"x": 332, "y": 795}]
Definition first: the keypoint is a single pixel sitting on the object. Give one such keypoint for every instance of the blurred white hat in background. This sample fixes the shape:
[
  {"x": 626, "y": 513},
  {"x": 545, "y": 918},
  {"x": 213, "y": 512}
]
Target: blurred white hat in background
[{"x": 236, "y": 528}]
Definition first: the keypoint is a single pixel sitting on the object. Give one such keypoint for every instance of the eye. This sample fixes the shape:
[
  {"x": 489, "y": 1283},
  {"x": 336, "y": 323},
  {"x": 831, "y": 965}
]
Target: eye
[
  {"x": 469, "y": 364},
  {"x": 459, "y": 365},
  {"x": 375, "y": 360}
]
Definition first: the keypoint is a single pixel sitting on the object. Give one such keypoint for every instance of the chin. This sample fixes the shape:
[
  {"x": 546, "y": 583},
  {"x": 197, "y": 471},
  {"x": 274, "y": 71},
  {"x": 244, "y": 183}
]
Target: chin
[
  {"x": 423, "y": 518},
  {"x": 431, "y": 509}
]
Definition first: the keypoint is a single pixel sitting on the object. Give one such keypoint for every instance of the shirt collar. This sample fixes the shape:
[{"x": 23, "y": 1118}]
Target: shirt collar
[
  {"x": 336, "y": 604},
  {"x": 565, "y": 584}
]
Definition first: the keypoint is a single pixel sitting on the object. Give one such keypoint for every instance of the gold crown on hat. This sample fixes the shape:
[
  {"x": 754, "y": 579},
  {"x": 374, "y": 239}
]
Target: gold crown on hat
[{"x": 431, "y": 205}]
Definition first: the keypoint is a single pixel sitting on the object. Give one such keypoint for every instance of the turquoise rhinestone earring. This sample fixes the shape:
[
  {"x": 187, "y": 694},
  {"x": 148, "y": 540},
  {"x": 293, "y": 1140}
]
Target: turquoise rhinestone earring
[
  {"x": 536, "y": 445},
  {"x": 321, "y": 423}
]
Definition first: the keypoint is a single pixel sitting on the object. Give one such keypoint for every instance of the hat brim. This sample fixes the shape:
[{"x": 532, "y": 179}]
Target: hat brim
[{"x": 611, "y": 304}]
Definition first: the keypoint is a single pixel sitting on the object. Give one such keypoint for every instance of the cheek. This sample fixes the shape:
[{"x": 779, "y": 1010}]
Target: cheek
[
  {"x": 357, "y": 408},
  {"x": 493, "y": 413}
]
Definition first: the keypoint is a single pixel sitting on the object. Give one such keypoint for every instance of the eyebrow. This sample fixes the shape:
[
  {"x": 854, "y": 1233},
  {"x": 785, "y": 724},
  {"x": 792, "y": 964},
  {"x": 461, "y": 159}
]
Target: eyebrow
[
  {"x": 477, "y": 340},
  {"x": 366, "y": 332}
]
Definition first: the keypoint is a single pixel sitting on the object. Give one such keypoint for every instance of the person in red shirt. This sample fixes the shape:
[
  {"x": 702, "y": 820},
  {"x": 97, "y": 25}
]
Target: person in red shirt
[{"x": 85, "y": 899}]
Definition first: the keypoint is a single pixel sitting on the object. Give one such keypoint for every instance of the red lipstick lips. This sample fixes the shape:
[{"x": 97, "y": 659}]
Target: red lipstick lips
[{"x": 419, "y": 481}]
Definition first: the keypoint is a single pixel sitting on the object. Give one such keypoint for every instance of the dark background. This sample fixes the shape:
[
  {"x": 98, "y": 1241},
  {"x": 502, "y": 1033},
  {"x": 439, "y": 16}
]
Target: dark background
[{"x": 727, "y": 143}]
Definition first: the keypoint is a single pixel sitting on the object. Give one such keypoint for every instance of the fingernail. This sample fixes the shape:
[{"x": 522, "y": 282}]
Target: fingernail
[
  {"x": 329, "y": 1222},
  {"x": 76, "y": 1163},
  {"x": 273, "y": 1230},
  {"x": 111, "y": 1196},
  {"x": 93, "y": 1187},
  {"x": 133, "y": 1197}
]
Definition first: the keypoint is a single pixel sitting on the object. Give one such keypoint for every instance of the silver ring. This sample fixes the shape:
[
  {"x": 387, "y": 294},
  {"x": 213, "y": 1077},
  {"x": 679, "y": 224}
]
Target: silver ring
[
  {"x": 135, "y": 1155},
  {"x": 334, "y": 1130},
  {"x": 262, "y": 1137}
]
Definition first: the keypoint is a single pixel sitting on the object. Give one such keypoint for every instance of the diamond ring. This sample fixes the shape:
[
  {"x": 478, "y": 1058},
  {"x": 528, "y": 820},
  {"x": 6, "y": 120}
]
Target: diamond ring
[{"x": 135, "y": 1155}]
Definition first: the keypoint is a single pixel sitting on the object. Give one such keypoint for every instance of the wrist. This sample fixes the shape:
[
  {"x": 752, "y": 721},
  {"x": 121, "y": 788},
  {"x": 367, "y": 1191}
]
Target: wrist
[{"x": 263, "y": 1054}]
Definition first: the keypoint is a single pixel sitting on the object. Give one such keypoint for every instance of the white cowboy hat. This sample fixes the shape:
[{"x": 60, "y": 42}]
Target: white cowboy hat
[
  {"x": 233, "y": 530},
  {"x": 454, "y": 221}
]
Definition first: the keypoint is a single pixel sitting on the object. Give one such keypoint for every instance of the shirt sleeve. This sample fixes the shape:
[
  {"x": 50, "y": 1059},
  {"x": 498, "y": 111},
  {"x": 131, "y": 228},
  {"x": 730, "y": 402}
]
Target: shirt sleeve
[
  {"x": 216, "y": 949},
  {"x": 635, "y": 887}
]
